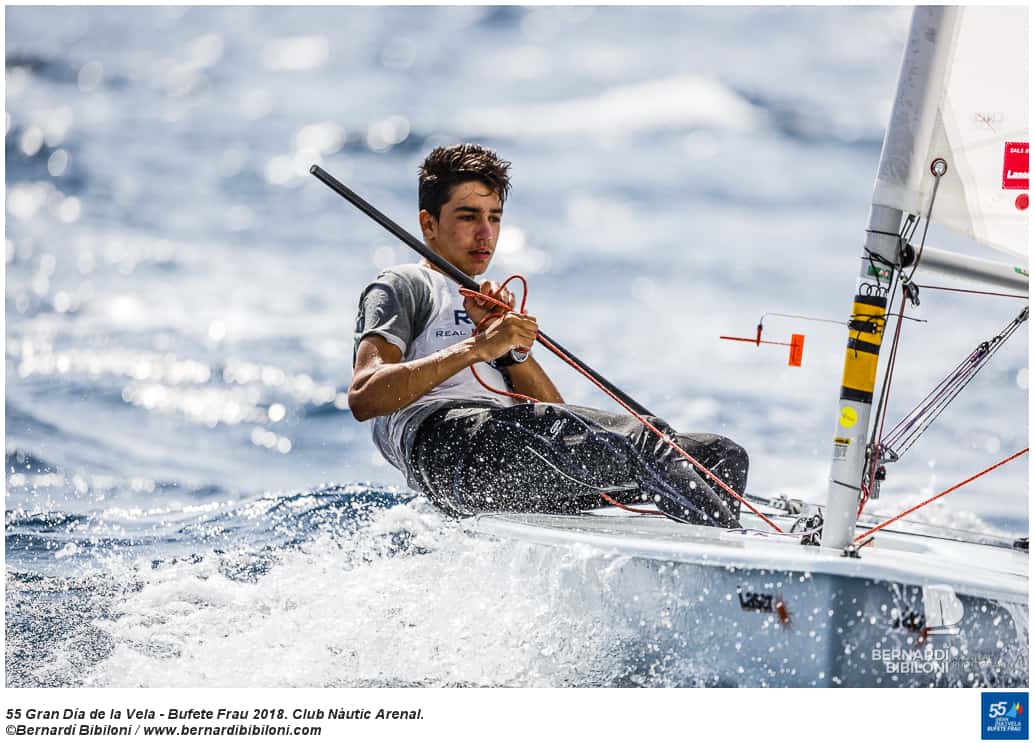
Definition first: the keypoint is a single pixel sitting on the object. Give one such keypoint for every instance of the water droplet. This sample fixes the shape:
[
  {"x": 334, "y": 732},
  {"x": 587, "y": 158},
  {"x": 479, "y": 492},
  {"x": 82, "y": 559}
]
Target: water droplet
[
  {"x": 217, "y": 331},
  {"x": 32, "y": 141},
  {"x": 279, "y": 170},
  {"x": 57, "y": 163},
  {"x": 90, "y": 76},
  {"x": 206, "y": 50},
  {"x": 70, "y": 210},
  {"x": 385, "y": 134},
  {"x": 296, "y": 53}
]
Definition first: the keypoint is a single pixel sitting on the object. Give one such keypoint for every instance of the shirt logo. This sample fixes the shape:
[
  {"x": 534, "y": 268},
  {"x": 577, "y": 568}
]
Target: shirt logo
[{"x": 460, "y": 317}]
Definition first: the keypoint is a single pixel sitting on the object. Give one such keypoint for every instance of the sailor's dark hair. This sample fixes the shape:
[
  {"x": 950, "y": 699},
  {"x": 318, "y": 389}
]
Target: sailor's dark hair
[{"x": 449, "y": 166}]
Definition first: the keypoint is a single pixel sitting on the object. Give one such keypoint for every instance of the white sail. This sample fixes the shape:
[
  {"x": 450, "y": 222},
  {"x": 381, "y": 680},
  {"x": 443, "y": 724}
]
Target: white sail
[{"x": 970, "y": 108}]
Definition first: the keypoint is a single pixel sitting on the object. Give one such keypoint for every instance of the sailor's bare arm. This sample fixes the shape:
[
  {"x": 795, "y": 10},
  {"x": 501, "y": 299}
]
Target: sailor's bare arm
[
  {"x": 382, "y": 383},
  {"x": 531, "y": 379}
]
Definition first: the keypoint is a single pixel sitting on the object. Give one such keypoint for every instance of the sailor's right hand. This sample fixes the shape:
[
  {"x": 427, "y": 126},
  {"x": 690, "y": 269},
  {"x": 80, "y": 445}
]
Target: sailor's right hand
[
  {"x": 503, "y": 333},
  {"x": 478, "y": 309}
]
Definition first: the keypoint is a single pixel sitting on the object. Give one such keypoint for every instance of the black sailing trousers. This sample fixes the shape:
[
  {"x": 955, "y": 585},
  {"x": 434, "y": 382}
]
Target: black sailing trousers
[{"x": 558, "y": 459}]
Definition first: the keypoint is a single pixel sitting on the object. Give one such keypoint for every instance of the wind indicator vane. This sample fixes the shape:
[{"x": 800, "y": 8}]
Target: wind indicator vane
[{"x": 796, "y": 343}]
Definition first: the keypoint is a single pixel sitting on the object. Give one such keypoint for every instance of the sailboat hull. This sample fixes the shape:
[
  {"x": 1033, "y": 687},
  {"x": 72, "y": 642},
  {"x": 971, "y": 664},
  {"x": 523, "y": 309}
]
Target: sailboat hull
[{"x": 731, "y": 609}]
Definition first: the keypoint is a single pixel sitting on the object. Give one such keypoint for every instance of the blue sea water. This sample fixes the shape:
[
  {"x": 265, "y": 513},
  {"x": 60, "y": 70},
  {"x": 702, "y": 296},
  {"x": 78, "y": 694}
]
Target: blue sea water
[{"x": 182, "y": 470}]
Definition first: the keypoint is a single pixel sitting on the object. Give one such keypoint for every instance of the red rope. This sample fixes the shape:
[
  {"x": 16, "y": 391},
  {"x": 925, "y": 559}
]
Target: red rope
[
  {"x": 943, "y": 493},
  {"x": 488, "y": 318},
  {"x": 574, "y": 365},
  {"x": 755, "y": 341},
  {"x": 621, "y": 505}
]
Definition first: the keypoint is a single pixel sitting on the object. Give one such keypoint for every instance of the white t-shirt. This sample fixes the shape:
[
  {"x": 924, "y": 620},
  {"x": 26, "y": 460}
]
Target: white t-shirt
[{"x": 420, "y": 311}]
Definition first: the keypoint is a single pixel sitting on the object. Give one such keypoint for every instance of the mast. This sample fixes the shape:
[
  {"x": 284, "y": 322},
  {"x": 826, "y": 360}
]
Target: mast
[{"x": 903, "y": 160}]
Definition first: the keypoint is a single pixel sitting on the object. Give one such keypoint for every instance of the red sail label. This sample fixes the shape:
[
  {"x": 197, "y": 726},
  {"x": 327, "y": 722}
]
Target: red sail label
[{"x": 1015, "y": 165}]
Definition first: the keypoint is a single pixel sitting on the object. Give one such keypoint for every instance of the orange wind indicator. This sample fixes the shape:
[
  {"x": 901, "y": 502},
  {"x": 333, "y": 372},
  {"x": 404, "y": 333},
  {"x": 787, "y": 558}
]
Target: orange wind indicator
[
  {"x": 796, "y": 349},
  {"x": 796, "y": 345}
]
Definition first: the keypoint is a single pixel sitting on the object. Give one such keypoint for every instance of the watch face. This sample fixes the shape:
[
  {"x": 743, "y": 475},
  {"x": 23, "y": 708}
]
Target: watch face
[{"x": 519, "y": 356}]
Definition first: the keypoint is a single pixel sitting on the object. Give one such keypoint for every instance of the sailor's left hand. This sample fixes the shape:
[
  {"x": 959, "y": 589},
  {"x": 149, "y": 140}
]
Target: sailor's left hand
[{"x": 478, "y": 309}]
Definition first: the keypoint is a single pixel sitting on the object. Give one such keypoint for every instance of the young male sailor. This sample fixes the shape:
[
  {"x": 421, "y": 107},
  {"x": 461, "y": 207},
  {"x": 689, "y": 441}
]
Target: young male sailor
[{"x": 469, "y": 449}]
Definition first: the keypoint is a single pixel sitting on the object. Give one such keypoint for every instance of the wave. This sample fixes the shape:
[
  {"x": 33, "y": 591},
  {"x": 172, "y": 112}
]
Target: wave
[
  {"x": 19, "y": 460},
  {"x": 44, "y": 521},
  {"x": 675, "y": 103},
  {"x": 60, "y": 626},
  {"x": 209, "y": 518},
  {"x": 813, "y": 124},
  {"x": 383, "y": 590},
  {"x": 42, "y": 66},
  {"x": 34, "y": 168},
  {"x": 381, "y": 595}
]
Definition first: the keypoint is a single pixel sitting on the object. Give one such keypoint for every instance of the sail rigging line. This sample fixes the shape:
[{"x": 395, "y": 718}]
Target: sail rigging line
[
  {"x": 906, "y": 317},
  {"x": 603, "y": 493},
  {"x": 869, "y": 484},
  {"x": 656, "y": 431},
  {"x": 972, "y": 291},
  {"x": 798, "y": 317},
  {"x": 638, "y": 411},
  {"x": 907, "y": 431},
  {"x": 938, "y": 167},
  {"x": 559, "y": 353},
  {"x": 956, "y": 535},
  {"x": 941, "y": 494}
]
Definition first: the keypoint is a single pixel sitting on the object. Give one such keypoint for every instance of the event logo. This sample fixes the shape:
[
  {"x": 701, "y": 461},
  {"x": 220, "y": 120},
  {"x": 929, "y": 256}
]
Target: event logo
[{"x": 1003, "y": 715}]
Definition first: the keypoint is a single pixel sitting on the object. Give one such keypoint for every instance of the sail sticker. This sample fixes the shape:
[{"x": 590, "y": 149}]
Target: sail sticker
[
  {"x": 880, "y": 272},
  {"x": 765, "y": 603},
  {"x": 840, "y": 446},
  {"x": 1015, "y": 166},
  {"x": 848, "y": 416}
]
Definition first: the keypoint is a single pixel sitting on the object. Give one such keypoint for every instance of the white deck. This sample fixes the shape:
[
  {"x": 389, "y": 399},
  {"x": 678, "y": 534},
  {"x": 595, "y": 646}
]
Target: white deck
[{"x": 991, "y": 572}]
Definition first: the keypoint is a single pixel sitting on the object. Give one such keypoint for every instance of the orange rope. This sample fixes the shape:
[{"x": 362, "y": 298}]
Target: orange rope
[
  {"x": 485, "y": 320},
  {"x": 619, "y": 504},
  {"x": 574, "y": 365},
  {"x": 943, "y": 493}
]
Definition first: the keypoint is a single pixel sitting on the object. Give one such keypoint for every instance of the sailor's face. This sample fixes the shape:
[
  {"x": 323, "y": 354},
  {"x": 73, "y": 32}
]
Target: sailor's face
[{"x": 467, "y": 228}]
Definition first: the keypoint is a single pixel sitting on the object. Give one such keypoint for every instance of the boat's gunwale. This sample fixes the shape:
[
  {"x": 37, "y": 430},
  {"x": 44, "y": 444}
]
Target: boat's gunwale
[{"x": 708, "y": 546}]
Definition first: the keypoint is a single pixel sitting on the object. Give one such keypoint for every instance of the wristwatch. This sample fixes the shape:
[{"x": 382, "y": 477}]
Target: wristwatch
[{"x": 509, "y": 359}]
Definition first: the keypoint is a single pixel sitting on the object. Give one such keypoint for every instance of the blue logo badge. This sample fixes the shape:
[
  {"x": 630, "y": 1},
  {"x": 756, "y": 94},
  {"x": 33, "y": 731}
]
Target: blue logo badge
[{"x": 1003, "y": 715}]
